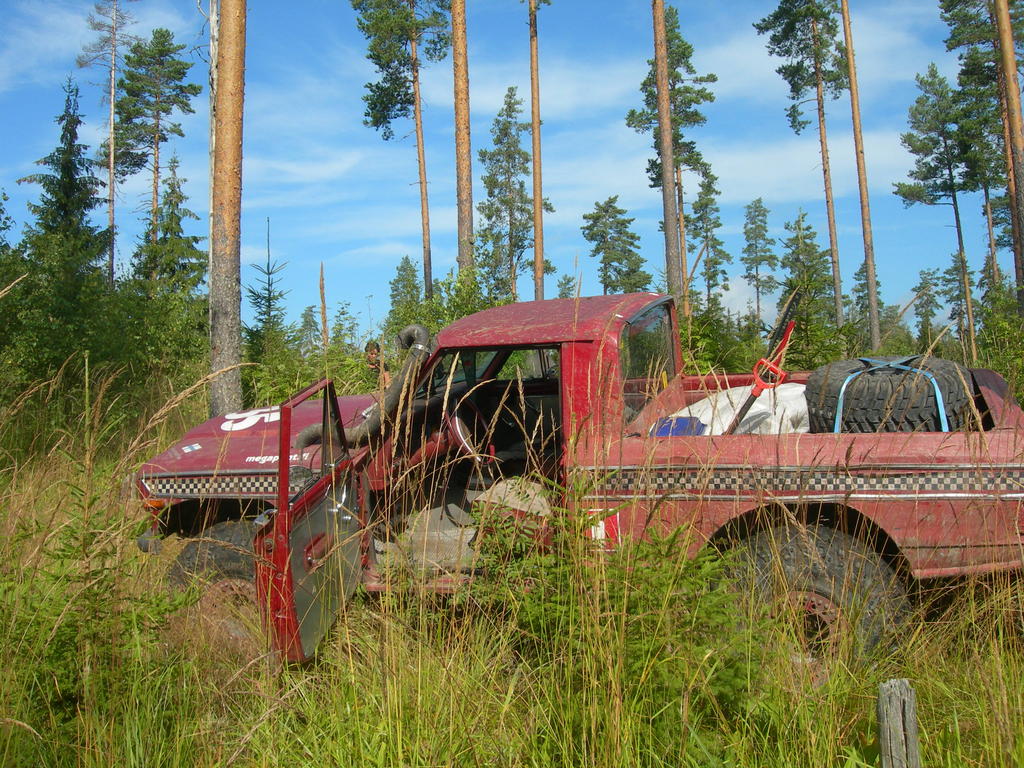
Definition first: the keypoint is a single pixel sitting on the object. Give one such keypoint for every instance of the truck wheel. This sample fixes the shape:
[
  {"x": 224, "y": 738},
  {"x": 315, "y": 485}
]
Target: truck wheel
[
  {"x": 839, "y": 590},
  {"x": 887, "y": 399},
  {"x": 225, "y": 618},
  {"x": 223, "y": 551}
]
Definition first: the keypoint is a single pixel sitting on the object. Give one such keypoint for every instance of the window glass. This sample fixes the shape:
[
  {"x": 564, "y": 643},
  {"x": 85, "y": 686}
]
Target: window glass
[
  {"x": 647, "y": 350},
  {"x": 529, "y": 364},
  {"x": 463, "y": 367}
]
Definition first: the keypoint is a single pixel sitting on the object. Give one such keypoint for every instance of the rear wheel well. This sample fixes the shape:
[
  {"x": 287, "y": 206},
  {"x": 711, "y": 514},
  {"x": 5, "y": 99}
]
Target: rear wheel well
[{"x": 829, "y": 514}]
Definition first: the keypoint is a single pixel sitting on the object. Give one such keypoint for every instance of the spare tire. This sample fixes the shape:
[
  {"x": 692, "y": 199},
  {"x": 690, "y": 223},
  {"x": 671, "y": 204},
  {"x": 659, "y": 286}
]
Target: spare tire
[{"x": 887, "y": 399}]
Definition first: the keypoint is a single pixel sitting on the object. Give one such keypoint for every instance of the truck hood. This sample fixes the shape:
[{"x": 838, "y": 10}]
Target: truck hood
[{"x": 236, "y": 454}]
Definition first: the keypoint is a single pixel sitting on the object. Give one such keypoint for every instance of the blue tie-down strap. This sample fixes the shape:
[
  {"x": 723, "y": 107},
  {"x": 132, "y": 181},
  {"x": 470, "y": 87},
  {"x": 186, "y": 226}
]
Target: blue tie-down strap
[
  {"x": 678, "y": 426},
  {"x": 900, "y": 365}
]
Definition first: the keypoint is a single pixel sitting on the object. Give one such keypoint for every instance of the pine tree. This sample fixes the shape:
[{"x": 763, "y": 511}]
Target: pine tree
[
  {"x": 153, "y": 89},
  {"x": 972, "y": 32},
  {"x": 940, "y": 167},
  {"x": 616, "y": 249},
  {"x": 172, "y": 260},
  {"x": 109, "y": 19},
  {"x": 806, "y": 34},
  {"x": 805, "y": 267},
  {"x": 687, "y": 92},
  {"x": 758, "y": 253},
  {"x": 395, "y": 30},
  {"x": 506, "y": 229},
  {"x": 63, "y": 308}
]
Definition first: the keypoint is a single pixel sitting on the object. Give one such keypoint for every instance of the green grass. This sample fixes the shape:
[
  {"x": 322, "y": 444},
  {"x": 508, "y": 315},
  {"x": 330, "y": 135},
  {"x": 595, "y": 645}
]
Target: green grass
[{"x": 575, "y": 658}]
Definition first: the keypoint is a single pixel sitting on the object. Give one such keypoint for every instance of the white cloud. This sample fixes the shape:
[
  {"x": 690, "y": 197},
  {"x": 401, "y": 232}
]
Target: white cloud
[
  {"x": 42, "y": 39},
  {"x": 569, "y": 88},
  {"x": 788, "y": 169}
]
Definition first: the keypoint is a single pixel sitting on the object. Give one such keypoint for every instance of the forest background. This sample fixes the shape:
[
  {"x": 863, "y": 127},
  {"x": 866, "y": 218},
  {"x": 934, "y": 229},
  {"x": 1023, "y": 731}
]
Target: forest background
[{"x": 321, "y": 187}]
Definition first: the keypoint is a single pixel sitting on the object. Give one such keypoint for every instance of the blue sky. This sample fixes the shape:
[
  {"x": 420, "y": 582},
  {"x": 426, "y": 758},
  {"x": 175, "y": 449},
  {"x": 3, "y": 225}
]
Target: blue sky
[{"x": 336, "y": 193}]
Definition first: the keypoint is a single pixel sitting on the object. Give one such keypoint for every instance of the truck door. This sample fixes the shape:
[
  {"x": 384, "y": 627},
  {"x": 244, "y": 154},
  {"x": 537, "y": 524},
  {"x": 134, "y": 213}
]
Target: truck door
[{"x": 309, "y": 555}]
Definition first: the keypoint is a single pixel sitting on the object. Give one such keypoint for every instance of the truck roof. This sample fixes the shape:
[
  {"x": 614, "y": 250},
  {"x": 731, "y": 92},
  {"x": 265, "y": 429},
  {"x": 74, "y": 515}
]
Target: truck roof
[{"x": 546, "y": 322}]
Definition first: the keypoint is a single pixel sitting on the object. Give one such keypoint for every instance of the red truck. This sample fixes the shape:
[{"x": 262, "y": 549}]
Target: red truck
[{"x": 590, "y": 394}]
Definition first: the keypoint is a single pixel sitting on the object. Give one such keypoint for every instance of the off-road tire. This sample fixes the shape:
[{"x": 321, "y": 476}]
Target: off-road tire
[
  {"x": 887, "y": 399},
  {"x": 853, "y": 596},
  {"x": 223, "y": 551}
]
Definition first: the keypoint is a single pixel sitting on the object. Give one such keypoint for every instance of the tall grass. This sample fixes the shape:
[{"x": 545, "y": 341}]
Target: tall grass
[{"x": 567, "y": 657}]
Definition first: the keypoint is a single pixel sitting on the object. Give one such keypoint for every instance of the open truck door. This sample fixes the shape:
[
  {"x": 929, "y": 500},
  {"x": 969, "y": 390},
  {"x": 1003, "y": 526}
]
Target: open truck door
[{"x": 309, "y": 555}]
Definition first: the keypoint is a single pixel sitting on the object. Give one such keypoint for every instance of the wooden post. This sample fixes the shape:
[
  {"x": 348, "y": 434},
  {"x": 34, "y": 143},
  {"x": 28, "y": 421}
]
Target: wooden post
[{"x": 897, "y": 725}]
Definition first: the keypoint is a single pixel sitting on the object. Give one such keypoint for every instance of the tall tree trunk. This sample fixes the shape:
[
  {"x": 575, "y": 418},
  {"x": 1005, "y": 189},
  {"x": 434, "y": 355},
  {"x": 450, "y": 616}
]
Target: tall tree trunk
[
  {"x": 1016, "y": 228},
  {"x": 463, "y": 163},
  {"x": 826, "y": 170},
  {"x": 421, "y": 159},
  {"x": 993, "y": 264},
  {"x": 225, "y": 279},
  {"x": 1011, "y": 90},
  {"x": 325, "y": 335},
  {"x": 214, "y": 20},
  {"x": 673, "y": 274},
  {"x": 538, "y": 193},
  {"x": 155, "y": 203},
  {"x": 111, "y": 181},
  {"x": 683, "y": 266},
  {"x": 862, "y": 183},
  {"x": 513, "y": 290},
  {"x": 965, "y": 282}
]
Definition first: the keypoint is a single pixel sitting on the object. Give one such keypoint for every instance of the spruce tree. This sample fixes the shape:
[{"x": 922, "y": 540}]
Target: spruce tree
[
  {"x": 704, "y": 222},
  {"x": 153, "y": 90},
  {"x": 506, "y": 229},
  {"x": 269, "y": 332},
  {"x": 568, "y": 286},
  {"x": 616, "y": 246},
  {"x": 805, "y": 267},
  {"x": 758, "y": 253},
  {"x": 310, "y": 337},
  {"x": 926, "y": 307},
  {"x": 173, "y": 260},
  {"x": 63, "y": 308},
  {"x": 406, "y": 298}
]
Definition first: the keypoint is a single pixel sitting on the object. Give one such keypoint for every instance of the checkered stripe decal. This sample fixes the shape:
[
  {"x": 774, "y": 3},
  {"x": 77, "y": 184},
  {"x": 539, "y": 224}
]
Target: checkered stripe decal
[
  {"x": 741, "y": 481},
  {"x": 215, "y": 486}
]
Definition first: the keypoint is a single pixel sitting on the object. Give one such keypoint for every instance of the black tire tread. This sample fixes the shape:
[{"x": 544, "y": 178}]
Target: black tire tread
[
  {"x": 887, "y": 399},
  {"x": 222, "y": 551},
  {"x": 836, "y": 565}
]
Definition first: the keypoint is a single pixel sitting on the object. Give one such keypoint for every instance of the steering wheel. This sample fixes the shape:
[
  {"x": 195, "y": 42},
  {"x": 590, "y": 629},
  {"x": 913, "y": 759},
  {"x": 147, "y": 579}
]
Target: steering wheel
[{"x": 468, "y": 429}]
